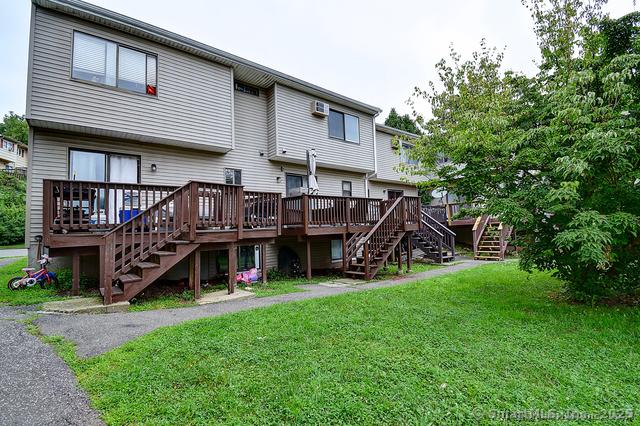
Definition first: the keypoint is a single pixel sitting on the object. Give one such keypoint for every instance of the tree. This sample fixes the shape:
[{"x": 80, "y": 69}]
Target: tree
[
  {"x": 12, "y": 209},
  {"x": 402, "y": 122},
  {"x": 15, "y": 126},
  {"x": 556, "y": 155}
]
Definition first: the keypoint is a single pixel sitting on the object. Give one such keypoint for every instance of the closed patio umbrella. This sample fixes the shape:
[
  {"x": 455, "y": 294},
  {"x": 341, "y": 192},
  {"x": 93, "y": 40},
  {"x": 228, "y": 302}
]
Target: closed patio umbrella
[{"x": 311, "y": 168}]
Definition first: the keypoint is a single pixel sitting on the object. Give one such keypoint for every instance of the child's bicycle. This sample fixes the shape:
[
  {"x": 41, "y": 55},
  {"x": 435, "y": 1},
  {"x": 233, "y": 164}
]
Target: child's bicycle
[{"x": 41, "y": 277}]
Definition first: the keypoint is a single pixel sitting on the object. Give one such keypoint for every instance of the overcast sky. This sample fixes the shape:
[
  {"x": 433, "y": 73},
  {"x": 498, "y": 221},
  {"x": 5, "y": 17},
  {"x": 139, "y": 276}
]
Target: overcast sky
[{"x": 375, "y": 51}]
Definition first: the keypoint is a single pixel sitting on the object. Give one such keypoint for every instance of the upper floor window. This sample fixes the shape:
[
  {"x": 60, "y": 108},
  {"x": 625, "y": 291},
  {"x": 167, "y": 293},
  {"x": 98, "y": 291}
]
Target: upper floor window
[
  {"x": 245, "y": 88},
  {"x": 344, "y": 126},
  {"x": 233, "y": 176},
  {"x": 405, "y": 155},
  {"x": 104, "y": 62},
  {"x": 9, "y": 146}
]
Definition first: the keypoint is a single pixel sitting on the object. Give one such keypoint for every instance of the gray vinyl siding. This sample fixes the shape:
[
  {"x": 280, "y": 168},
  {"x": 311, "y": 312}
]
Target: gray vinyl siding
[
  {"x": 193, "y": 106},
  {"x": 298, "y": 130},
  {"x": 378, "y": 189},
  {"x": 176, "y": 165},
  {"x": 272, "y": 128},
  {"x": 388, "y": 159}
]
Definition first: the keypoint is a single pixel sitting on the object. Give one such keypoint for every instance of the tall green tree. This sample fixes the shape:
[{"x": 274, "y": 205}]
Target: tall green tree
[
  {"x": 402, "y": 122},
  {"x": 12, "y": 209},
  {"x": 556, "y": 155},
  {"x": 15, "y": 127}
]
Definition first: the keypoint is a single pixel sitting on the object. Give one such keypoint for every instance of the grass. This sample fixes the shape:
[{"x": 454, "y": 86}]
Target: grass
[
  {"x": 290, "y": 285},
  {"x": 27, "y": 296},
  {"x": 13, "y": 246},
  {"x": 446, "y": 350},
  {"x": 166, "y": 301}
]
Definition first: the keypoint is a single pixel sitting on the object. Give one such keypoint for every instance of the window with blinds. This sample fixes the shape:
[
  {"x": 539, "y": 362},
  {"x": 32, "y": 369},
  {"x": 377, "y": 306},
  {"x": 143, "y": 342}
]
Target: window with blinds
[{"x": 104, "y": 62}]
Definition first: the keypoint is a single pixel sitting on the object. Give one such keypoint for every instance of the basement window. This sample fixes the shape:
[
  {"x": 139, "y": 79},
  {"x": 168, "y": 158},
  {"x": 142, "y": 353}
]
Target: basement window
[{"x": 336, "y": 250}]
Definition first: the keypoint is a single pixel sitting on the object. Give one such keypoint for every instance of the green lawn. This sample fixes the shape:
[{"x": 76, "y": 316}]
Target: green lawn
[
  {"x": 13, "y": 246},
  {"x": 290, "y": 285},
  {"x": 28, "y": 296},
  {"x": 443, "y": 350}
]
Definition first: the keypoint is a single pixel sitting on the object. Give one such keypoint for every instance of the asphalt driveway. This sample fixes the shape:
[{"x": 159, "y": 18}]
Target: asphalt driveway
[{"x": 36, "y": 386}]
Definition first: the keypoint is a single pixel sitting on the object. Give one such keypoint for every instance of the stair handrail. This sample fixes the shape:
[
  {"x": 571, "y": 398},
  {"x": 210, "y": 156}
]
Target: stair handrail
[
  {"x": 369, "y": 235},
  {"x": 505, "y": 232},
  {"x": 478, "y": 230},
  {"x": 185, "y": 195},
  {"x": 436, "y": 224},
  {"x": 448, "y": 236}
]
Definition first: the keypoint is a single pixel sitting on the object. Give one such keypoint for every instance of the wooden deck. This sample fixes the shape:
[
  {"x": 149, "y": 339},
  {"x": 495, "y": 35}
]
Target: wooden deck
[
  {"x": 80, "y": 213},
  {"x": 141, "y": 231}
]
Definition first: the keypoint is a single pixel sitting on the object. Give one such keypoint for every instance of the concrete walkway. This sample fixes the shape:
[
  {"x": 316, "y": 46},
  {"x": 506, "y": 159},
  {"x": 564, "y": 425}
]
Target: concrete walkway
[
  {"x": 96, "y": 334},
  {"x": 13, "y": 253},
  {"x": 36, "y": 386}
]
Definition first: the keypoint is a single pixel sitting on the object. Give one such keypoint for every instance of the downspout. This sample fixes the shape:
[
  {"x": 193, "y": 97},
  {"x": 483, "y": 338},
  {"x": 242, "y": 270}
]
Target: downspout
[{"x": 375, "y": 158}]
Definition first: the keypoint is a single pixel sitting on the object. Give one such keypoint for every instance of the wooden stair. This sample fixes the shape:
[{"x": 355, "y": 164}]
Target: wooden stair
[
  {"x": 141, "y": 250},
  {"x": 434, "y": 239},
  {"x": 367, "y": 253},
  {"x": 490, "y": 239}
]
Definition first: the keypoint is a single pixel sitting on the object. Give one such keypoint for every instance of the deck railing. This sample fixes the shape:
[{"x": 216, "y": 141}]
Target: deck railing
[
  {"x": 85, "y": 206},
  {"x": 324, "y": 210},
  {"x": 72, "y": 205}
]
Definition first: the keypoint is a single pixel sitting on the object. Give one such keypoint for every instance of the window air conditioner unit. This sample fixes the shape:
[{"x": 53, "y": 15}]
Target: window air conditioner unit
[{"x": 319, "y": 108}]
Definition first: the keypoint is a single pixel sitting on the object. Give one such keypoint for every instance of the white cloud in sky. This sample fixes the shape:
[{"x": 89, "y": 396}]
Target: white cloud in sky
[{"x": 375, "y": 51}]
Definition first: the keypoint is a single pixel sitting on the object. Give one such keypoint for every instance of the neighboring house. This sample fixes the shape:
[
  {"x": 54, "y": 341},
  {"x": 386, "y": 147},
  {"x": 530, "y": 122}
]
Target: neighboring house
[
  {"x": 123, "y": 115},
  {"x": 392, "y": 146},
  {"x": 13, "y": 154}
]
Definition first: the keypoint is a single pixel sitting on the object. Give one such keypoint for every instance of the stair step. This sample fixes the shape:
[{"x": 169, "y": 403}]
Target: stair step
[
  {"x": 147, "y": 265},
  {"x": 115, "y": 291},
  {"x": 488, "y": 257},
  {"x": 164, "y": 253},
  {"x": 355, "y": 272},
  {"x": 129, "y": 278},
  {"x": 180, "y": 242}
]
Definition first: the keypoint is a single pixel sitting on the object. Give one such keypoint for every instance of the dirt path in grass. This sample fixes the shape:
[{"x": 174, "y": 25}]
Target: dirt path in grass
[
  {"x": 96, "y": 334},
  {"x": 36, "y": 386}
]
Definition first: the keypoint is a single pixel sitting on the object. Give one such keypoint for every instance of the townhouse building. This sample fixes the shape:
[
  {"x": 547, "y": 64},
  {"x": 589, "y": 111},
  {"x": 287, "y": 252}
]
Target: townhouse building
[{"x": 156, "y": 156}]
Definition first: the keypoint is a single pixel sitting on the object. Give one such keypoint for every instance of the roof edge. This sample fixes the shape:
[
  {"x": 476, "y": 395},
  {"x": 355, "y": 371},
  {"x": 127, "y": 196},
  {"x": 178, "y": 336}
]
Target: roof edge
[
  {"x": 395, "y": 132},
  {"x": 81, "y": 10}
]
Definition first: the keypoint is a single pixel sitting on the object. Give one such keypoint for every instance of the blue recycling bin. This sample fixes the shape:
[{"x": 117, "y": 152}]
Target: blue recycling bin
[{"x": 126, "y": 215}]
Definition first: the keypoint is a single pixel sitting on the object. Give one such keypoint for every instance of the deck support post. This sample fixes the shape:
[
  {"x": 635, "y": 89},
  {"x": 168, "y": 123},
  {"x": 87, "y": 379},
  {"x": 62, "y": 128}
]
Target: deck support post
[
  {"x": 344, "y": 253},
  {"x": 75, "y": 273},
  {"x": 194, "y": 273},
  {"x": 263, "y": 262},
  {"x": 409, "y": 251},
  {"x": 308, "y": 259},
  {"x": 107, "y": 260},
  {"x": 233, "y": 267},
  {"x": 400, "y": 257}
]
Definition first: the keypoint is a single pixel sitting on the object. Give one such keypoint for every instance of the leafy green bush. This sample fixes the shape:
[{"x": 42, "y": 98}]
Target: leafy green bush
[
  {"x": 65, "y": 278},
  {"x": 556, "y": 155},
  {"x": 274, "y": 274},
  {"x": 12, "y": 209}
]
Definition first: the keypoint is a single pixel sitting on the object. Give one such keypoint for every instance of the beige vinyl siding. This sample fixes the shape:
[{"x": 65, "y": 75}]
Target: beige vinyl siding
[
  {"x": 175, "y": 165},
  {"x": 193, "y": 106},
  {"x": 272, "y": 127},
  {"x": 298, "y": 130},
  {"x": 388, "y": 159},
  {"x": 378, "y": 189}
]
